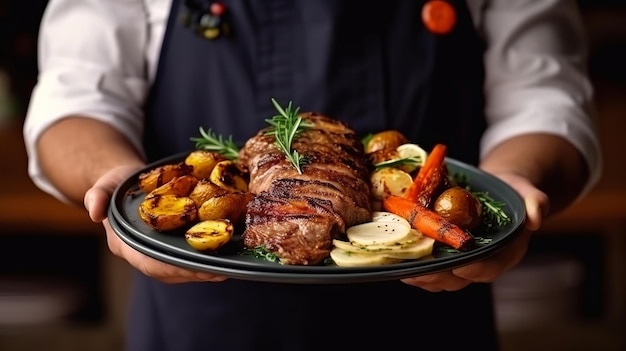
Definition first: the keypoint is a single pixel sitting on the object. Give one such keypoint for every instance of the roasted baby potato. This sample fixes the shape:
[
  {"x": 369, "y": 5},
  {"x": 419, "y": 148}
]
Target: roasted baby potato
[
  {"x": 168, "y": 212},
  {"x": 210, "y": 235},
  {"x": 382, "y": 155},
  {"x": 385, "y": 140},
  {"x": 158, "y": 176},
  {"x": 204, "y": 190},
  {"x": 202, "y": 162},
  {"x": 231, "y": 206},
  {"x": 460, "y": 207},
  {"x": 179, "y": 186},
  {"x": 389, "y": 181},
  {"x": 228, "y": 175}
]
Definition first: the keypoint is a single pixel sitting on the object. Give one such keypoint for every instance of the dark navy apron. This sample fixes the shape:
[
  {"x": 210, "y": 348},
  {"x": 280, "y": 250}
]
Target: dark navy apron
[{"x": 372, "y": 64}]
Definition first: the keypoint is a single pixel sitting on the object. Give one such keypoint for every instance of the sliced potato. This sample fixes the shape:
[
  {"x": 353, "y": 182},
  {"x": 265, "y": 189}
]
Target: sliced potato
[
  {"x": 414, "y": 247},
  {"x": 383, "y": 216},
  {"x": 399, "y": 245},
  {"x": 377, "y": 233},
  {"x": 158, "y": 176},
  {"x": 204, "y": 190},
  {"x": 345, "y": 258},
  {"x": 229, "y": 176},
  {"x": 168, "y": 212},
  {"x": 389, "y": 181},
  {"x": 179, "y": 186},
  {"x": 202, "y": 162},
  {"x": 420, "y": 248},
  {"x": 209, "y": 235},
  {"x": 231, "y": 206}
]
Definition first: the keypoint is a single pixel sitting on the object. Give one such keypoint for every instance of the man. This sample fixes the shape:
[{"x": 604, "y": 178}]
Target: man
[{"x": 501, "y": 83}]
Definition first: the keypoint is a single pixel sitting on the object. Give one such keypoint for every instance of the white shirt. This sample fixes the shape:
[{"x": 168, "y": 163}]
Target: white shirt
[{"x": 98, "y": 58}]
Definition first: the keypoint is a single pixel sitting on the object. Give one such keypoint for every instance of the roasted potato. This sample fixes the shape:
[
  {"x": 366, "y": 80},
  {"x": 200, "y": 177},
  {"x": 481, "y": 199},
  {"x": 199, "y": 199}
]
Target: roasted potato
[
  {"x": 158, "y": 176},
  {"x": 388, "y": 139},
  {"x": 168, "y": 212},
  {"x": 231, "y": 206},
  {"x": 204, "y": 190},
  {"x": 460, "y": 207},
  {"x": 389, "y": 181},
  {"x": 383, "y": 155},
  {"x": 210, "y": 235},
  {"x": 227, "y": 174},
  {"x": 202, "y": 162},
  {"x": 179, "y": 186}
]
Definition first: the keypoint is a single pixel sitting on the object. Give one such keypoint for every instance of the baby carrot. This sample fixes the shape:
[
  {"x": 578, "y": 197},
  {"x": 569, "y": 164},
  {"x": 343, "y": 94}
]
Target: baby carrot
[
  {"x": 429, "y": 222},
  {"x": 429, "y": 178}
]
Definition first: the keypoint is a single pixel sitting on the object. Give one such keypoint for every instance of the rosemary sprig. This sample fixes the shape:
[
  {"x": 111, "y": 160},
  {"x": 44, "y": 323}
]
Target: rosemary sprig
[
  {"x": 213, "y": 142},
  {"x": 285, "y": 127},
  {"x": 494, "y": 215}
]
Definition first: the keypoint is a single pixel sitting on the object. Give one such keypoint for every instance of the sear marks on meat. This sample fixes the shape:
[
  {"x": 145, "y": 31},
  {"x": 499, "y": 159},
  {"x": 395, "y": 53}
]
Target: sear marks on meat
[{"x": 296, "y": 216}]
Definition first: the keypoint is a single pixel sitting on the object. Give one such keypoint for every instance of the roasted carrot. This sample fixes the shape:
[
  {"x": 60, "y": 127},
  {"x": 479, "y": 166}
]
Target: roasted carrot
[
  {"x": 429, "y": 178},
  {"x": 429, "y": 223}
]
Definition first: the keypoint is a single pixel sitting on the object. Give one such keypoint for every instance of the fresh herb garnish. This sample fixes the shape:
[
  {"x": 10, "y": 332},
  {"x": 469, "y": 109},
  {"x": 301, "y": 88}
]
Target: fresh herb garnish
[
  {"x": 366, "y": 139},
  {"x": 398, "y": 162},
  {"x": 492, "y": 210},
  {"x": 478, "y": 240},
  {"x": 261, "y": 252},
  {"x": 213, "y": 142},
  {"x": 493, "y": 214},
  {"x": 285, "y": 127}
]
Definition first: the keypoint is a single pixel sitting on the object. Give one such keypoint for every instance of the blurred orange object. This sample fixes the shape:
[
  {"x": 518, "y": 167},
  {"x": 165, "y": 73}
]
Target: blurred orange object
[{"x": 439, "y": 16}]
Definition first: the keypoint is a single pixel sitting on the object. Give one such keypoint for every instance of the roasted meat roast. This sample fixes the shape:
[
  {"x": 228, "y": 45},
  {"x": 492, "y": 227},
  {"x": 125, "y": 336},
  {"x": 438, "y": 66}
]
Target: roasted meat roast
[{"x": 296, "y": 216}]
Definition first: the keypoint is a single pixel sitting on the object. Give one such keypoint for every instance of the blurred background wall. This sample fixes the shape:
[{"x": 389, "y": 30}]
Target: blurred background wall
[{"x": 60, "y": 289}]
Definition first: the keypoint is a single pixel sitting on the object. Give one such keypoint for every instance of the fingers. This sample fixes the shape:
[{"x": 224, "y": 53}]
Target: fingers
[
  {"x": 536, "y": 202},
  {"x": 485, "y": 271},
  {"x": 537, "y": 206},
  {"x": 153, "y": 268},
  {"x": 97, "y": 202},
  {"x": 445, "y": 281},
  {"x": 96, "y": 199}
]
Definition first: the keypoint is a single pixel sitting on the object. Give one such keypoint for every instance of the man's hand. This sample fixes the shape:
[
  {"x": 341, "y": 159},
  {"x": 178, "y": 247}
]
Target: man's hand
[
  {"x": 490, "y": 269},
  {"x": 96, "y": 202}
]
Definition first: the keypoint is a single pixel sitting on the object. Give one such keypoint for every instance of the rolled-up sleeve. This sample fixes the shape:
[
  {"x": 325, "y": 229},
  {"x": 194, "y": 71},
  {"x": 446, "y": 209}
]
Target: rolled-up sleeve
[
  {"x": 92, "y": 62},
  {"x": 536, "y": 78}
]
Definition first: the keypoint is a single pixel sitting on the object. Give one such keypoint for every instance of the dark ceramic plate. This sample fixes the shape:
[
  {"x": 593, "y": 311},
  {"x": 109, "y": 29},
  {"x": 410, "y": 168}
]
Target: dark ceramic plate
[{"x": 235, "y": 262}]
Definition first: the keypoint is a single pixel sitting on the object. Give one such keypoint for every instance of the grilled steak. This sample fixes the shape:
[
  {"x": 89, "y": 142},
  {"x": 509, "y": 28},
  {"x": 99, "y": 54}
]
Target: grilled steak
[{"x": 296, "y": 216}]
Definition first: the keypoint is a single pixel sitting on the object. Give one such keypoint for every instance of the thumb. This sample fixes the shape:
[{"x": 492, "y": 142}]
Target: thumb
[
  {"x": 97, "y": 202},
  {"x": 96, "y": 199}
]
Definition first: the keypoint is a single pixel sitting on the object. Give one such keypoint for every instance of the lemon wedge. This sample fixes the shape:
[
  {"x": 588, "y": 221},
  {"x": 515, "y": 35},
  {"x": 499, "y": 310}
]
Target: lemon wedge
[{"x": 414, "y": 152}]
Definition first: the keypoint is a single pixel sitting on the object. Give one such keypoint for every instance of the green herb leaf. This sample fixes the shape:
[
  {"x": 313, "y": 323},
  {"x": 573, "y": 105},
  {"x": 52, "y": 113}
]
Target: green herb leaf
[
  {"x": 396, "y": 163},
  {"x": 261, "y": 252},
  {"x": 366, "y": 139},
  {"x": 493, "y": 214},
  {"x": 285, "y": 127},
  {"x": 213, "y": 142},
  {"x": 492, "y": 210}
]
